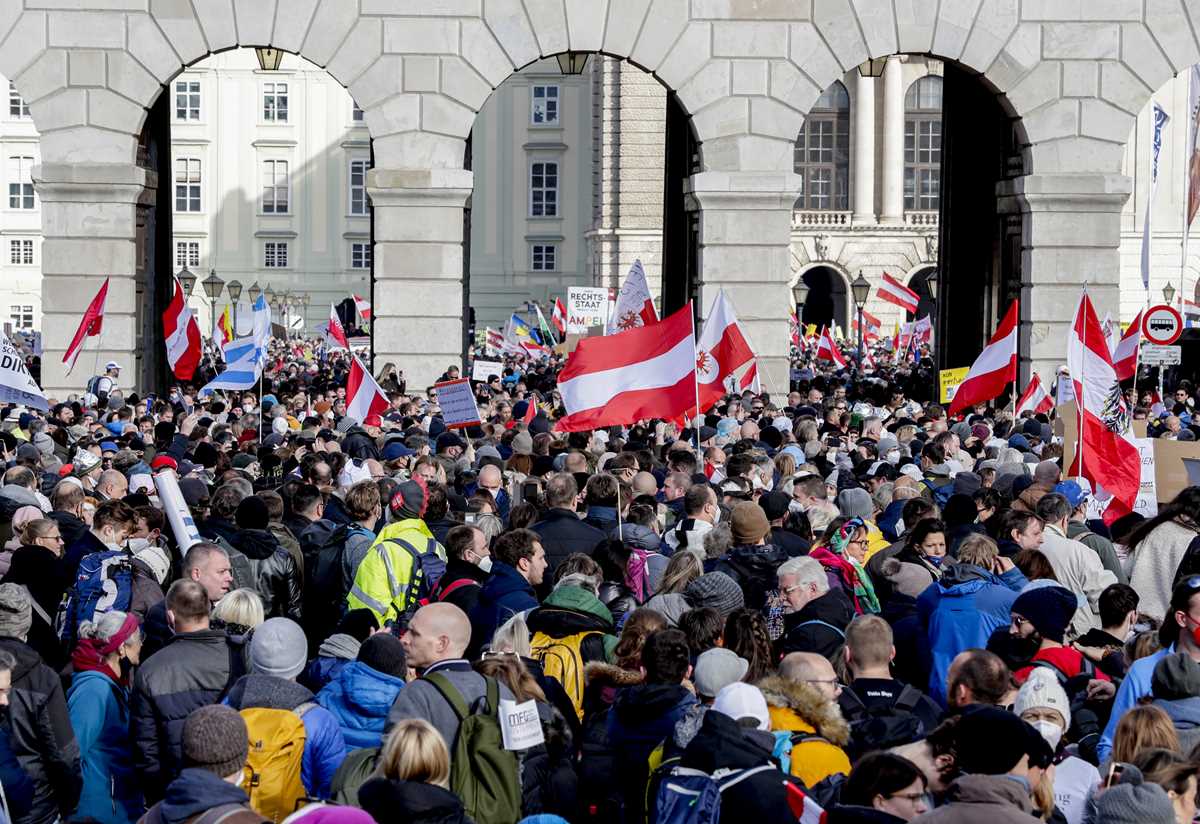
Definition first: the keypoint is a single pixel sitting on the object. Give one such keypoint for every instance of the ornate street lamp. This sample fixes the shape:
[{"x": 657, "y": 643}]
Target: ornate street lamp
[
  {"x": 269, "y": 294},
  {"x": 254, "y": 292},
  {"x": 931, "y": 283},
  {"x": 212, "y": 287},
  {"x": 861, "y": 290},
  {"x": 188, "y": 279},
  {"x": 873, "y": 68},
  {"x": 269, "y": 59},
  {"x": 572, "y": 62},
  {"x": 234, "y": 287},
  {"x": 1169, "y": 294}
]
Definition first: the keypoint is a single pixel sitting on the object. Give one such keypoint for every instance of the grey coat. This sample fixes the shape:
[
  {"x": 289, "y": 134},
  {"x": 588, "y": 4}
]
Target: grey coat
[{"x": 421, "y": 699}]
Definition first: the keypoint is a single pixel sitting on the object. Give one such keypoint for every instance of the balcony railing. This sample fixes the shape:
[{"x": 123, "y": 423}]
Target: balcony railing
[
  {"x": 923, "y": 219},
  {"x": 820, "y": 219}
]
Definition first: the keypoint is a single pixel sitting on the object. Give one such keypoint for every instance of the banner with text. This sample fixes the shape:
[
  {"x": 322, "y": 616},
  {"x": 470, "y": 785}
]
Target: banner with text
[
  {"x": 587, "y": 307},
  {"x": 457, "y": 402}
]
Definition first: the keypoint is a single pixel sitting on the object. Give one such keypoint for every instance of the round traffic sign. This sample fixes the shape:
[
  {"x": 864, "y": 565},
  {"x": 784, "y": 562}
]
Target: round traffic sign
[{"x": 1162, "y": 325}]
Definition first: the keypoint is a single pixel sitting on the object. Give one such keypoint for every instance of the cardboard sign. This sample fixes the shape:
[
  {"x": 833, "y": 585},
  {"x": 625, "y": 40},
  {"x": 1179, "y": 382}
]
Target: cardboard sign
[
  {"x": 520, "y": 726},
  {"x": 16, "y": 384},
  {"x": 1146, "y": 504},
  {"x": 481, "y": 370},
  {"x": 1064, "y": 391},
  {"x": 587, "y": 307},
  {"x": 457, "y": 401},
  {"x": 950, "y": 380}
]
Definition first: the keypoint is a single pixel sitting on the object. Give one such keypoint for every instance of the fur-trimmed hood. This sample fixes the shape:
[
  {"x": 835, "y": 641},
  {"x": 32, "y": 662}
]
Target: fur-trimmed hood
[
  {"x": 610, "y": 675},
  {"x": 808, "y": 705}
]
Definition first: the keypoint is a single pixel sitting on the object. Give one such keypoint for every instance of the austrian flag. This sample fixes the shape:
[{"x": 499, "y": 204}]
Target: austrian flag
[
  {"x": 893, "y": 291},
  {"x": 995, "y": 367}
]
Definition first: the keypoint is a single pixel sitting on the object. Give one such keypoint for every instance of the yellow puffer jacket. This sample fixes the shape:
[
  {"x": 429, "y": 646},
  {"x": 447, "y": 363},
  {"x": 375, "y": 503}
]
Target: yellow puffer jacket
[
  {"x": 801, "y": 708},
  {"x": 384, "y": 582}
]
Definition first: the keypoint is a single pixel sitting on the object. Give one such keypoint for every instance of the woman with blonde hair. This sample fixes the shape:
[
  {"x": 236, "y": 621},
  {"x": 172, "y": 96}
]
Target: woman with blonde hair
[
  {"x": 1140, "y": 729},
  {"x": 412, "y": 778},
  {"x": 240, "y": 611}
]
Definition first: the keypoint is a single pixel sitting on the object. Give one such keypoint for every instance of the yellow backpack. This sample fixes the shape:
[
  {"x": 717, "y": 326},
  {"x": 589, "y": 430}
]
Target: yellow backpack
[
  {"x": 272, "y": 772},
  {"x": 562, "y": 659}
]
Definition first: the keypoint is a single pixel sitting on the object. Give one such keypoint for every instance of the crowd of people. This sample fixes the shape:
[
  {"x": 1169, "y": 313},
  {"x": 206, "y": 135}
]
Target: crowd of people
[{"x": 831, "y": 604}]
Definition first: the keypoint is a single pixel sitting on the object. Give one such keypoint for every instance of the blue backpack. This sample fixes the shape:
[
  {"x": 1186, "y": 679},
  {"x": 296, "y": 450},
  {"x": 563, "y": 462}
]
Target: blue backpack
[
  {"x": 688, "y": 796},
  {"x": 104, "y": 583}
]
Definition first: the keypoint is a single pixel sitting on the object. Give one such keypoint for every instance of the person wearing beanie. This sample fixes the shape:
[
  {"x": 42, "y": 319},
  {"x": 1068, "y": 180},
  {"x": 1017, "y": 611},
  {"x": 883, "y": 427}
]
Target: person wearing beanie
[
  {"x": 261, "y": 564},
  {"x": 1042, "y": 703},
  {"x": 215, "y": 746},
  {"x": 403, "y": 562},
  {"x": 1040, "y": 618},
  {"x": 716, "y": 590},
  {"x": 775, "y": 507},
  {"x": 1133, "y": 800},
  {"x": 751, "y": 561},
  {"x": 1175, "y": 686},
  {"x": 278, "y": 653},
  {"x": 40, "y": 733},
  {"x": 1003, "y": 760},
  {"x": 339, "y": 649},
  {"x": 364, "y": 690}
]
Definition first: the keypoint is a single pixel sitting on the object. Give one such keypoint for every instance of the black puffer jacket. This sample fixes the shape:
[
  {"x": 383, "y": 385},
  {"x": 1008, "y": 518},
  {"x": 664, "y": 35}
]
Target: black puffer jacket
[
  {"x": 270, "y": 569},
  {"x": 819, "y": 626},
  {"x": 619, "y": 599},
  {"x": 387, "y": 799},
  {"x": 753, "y": 568},
  {"x": 191, "y": 671},
  {"x": 41, "y": 735}
]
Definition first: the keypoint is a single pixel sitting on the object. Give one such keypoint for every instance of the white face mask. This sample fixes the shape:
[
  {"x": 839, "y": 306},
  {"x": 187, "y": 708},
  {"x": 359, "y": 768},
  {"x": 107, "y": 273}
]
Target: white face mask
[
  {"x": 485, "y": 564},
  {"x": 1050, "y": 731},
  {"x": 893, "y": 456},
  {"x": 138, "y": 544},
  {"x": 795, "y": 506},
  {"x": 248, "y": 407}
]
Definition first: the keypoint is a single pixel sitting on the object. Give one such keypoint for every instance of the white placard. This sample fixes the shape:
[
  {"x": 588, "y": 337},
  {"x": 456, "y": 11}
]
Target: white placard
[
  {"x": 1065, "y": 391},
  {"x": 1162, "y": 355},
  {"x": 520, "y": 726},
  {"x": 1146, "y": 504},
  {"x": 481, "y": 370},
  {"x": 16, "y": 384},
  {"x": 457, "y": 401},
  {"x": 587, "y": 306}
]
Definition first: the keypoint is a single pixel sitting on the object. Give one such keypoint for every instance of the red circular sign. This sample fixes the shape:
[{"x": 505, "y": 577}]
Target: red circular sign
[{"x": 1162, "y": 325}]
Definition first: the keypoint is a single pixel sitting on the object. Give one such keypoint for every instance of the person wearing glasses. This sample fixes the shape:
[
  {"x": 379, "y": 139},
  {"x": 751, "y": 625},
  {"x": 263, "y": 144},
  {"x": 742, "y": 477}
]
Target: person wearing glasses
[
  {"x": 35, "y": 566},
  {"x": 815, "y": 614},
  {"x": 883, "y": 788},
  {"x": 802, "y": 700}
]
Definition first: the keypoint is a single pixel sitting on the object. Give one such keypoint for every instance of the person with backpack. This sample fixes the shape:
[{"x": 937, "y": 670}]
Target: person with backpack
[
  {"x": 405, "y": 561},
  {"x": 1078, "y": 493},
  {"x": 1076, "y": 566},
  {"x": 271, "y": 570},
  {"x": 519, "y": 566},
  {"x": 882, "y": 712},
  {"x": 815, "y": 615},
  {"x": 413, "y": 779},
  {"x": 364, "y": 690},
  {"x": 215, "y": 745},
  {"x": 330, "y": 566},
  {"x": 1040, "y": 617},
  {"x": 751, "y": 561},
  {"x": 193, "y": 669},
  {"x": 279, "y": 715},
  {"x": 468, "y": 565},
  {"x": 104, "y": 384},
  {"x": 98, "y": 703},
  {"x": 802, "y": 701},
  {"x": 38, "y": 722}
]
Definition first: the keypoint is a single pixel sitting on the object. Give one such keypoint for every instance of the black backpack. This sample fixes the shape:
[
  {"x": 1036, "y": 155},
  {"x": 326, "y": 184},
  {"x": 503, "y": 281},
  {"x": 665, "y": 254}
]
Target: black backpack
[{"x": 882, "y": 727}]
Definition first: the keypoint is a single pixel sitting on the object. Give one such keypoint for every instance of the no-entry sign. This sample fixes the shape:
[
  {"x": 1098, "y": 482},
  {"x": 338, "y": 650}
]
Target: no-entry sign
[{"x": 1162, "y": 325}]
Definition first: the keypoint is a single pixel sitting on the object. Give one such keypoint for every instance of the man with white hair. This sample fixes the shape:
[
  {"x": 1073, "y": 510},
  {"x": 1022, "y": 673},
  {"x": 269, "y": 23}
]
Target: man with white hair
[{"x": 815, "y": 615}]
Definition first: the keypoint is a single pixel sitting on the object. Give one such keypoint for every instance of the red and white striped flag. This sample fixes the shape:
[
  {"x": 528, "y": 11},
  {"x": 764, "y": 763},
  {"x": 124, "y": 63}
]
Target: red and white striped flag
[
  {"x": 337, "y": 331},
  {"x": 1125, "y": 353},
  {"x": 634, "y": 306},
  {"x": 1035, "y": 399},
  {"x": 827, "y": 349},
  {"x": 363, "y": 307},
  {"x": 721, "y": 351},
  {"x": 559, "y": 318},
  {"x": 995, "y": 367},
  {"x": 90, "y": 326},
  {"x": 871, "y": 326},
  {"x": 750, "y": 380},
  {"x": 647, "y": 372},
  {"x": 182, "y": 335},
  {"x": 363, "y": 395},
  {"x": 893, "y": 291},
  {"x": 1105, "y": 455}
]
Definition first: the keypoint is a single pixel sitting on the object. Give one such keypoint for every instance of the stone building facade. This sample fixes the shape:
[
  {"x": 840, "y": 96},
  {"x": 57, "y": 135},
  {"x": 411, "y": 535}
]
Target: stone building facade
[{"x": 1073, "y": 76}]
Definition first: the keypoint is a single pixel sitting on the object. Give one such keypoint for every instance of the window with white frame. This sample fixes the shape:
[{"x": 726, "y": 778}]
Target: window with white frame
[
  {"x": 187, "y": 253},
  {"x": 822, "y": 153},
  {"x": 275, "y": 254},
  {"x": 17, "y": 107},
  {"x": 275, "y": 102},
  {"x": 187, "y": 184},
  {"x": 544, "y": 257},
  {"x": 923, "y": 144},
  {"x": 356, "y": 114},
  {"x": 21, "y": 316},
  {"x": 187, "y": 99},
  {"x": 20, "y": 183},
  {"x": 20, "y": 252},
  {"x": 360, "y": 255},
  {"x": 275, "y": 187},
  {"x": 359, "y": 202},
  {"x": 544, "y": 109},
  {"x": 543, "y": 189}
]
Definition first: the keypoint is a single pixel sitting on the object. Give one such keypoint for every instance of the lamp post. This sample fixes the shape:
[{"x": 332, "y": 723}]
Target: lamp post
[
  {"x": 234, "y": 287},
  {"x": 861, "y": 289},
  {"x": 306, "y": 299},
  {"x": 800, "y": 296},
  {"x": 212, "y": 287},
  {"x": 571, "y": 62},
  {"x": 188, "y": 279},
  {"x": 254, "y": 291},
  {"x": 1169, "y": 294},
  {"x": 931, "y": 283}
]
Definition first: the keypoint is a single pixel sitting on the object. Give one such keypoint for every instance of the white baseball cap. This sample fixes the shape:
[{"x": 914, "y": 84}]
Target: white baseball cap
[
  {"x": 112, "y": 364},
  {"x": 739, "y": 700}
]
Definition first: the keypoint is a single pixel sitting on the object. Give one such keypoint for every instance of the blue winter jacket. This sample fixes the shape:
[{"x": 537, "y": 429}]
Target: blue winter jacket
[
  {"x": 359, "y": 699},
  {"x": 960, "y": 611},
  {"x": 99, "y": 712},
  {"x": 503, "y": 595}
]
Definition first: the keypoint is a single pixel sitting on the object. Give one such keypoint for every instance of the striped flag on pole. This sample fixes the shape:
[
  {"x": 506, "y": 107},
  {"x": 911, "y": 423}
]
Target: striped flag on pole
[{"x": 895, "y": 292}]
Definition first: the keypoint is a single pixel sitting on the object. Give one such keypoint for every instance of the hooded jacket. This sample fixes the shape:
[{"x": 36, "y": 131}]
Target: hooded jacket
[
  {"x": 194, "y": 793},
  {"x": 359, "y": 699},
  {"x": 563, "y": 533},
  {"x": 960, "y": 611},
  {"x": 412, "y": 802},
  {"x": 812, "y": 627},
  {"x": 753, "y": 568},
  {"x": 569, "y": 610},
  {"x": 335, "y": 654},
  {"x": 41, "y": 734},
  {"x": 39, "y": 571},
  {"x": 1179, "y": 700},
  {"x": 641, "y": 717},
  {"x": 501, "y": 597},
  {"x": 801, "y": 708},
  {"x": 99, "y": 710},
  {"x": 672, "y": 605},
  {"x": 272, "y": 572},
  {"x": 324, "y": 745},
  {"x": 984, "y": 799}
]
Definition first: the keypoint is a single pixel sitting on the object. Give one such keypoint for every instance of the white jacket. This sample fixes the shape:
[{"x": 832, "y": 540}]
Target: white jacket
[
  {"x": 1078, "y": 568},
  {"x": 1152, "y": 564}
]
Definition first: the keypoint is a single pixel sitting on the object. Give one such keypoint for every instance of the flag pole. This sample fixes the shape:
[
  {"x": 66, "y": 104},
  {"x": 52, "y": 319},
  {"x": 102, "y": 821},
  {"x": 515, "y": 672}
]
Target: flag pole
[
  {"x": 696, "y": 386},
  {"x": 1079, "y": 400}
]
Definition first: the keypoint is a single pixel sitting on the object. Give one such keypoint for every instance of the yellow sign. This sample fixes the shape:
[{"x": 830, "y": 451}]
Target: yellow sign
[{"x": 950, "y": 380}]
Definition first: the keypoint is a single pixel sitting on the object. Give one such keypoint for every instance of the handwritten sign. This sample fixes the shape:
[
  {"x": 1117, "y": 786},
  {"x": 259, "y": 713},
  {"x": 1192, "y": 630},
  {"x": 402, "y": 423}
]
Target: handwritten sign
[
  {"x": 481, "y": 370},
  {"x": 520, "y": 726},
  {"x": 587, "y": 307},
  {"x": 457, "y": 401},
  {"x": 950, "y": 380}
]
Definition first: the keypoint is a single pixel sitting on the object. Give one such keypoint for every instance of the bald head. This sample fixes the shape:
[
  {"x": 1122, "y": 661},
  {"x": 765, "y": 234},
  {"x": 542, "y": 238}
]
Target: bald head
[
  {"x": 1046, "y": 473},
  {"x": 490, "y": 476},
  {"x": 437, "y": 632},
  {"x": 805, "y": 666},
  {"x": 644, "y": 484},
  {"x": 112, "y": 484}
]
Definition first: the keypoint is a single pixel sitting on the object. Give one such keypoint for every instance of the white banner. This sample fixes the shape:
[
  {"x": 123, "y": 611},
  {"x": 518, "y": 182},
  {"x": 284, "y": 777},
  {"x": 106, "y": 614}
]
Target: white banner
[
  {"x": 481, "y": 370},
  {"x": 587, "y": 307},
  {"x": 16, "y": 384},
  {"x": 457, "y": 402}
]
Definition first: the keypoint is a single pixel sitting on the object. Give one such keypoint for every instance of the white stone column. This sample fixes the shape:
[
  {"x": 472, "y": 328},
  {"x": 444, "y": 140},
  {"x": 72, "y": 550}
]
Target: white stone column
[
  {"x": 418, "y": 294},
  {"x": 89, "y": 228},
  {"x": 745, "y": 249},
  {"x": 863, "y": 150},
  {"x": 1070, "y": 236},
  {"x": 893, "y": 142}
]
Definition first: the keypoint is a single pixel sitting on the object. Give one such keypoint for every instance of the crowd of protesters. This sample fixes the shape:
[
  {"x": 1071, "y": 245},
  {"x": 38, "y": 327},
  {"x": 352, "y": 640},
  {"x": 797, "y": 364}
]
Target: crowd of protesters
[{"x": 835, "y": 601}]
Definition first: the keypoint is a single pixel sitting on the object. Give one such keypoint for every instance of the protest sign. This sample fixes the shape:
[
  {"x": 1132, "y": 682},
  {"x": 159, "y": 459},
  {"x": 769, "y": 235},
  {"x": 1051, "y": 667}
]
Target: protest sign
[
  {"x": 950, "y": 380},
  {"x": 587, "y": 307},
  {"x": 520, "y": 726},
  {"x": 457, "y": 402},
  {"x": 16, "y": 384},
  {"x": 481, "y": 370}
]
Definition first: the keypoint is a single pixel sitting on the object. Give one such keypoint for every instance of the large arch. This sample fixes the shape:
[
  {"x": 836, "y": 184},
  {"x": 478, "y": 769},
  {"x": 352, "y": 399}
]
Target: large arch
[{"x": 747, "y": 74}]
